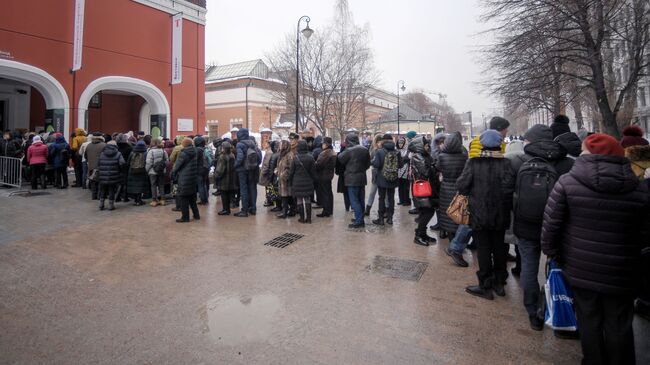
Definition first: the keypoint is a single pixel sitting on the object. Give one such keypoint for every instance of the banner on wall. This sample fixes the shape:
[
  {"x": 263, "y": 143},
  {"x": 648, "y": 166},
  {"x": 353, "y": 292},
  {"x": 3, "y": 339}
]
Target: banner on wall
[
  {"x": 77, "y": 49},
  {"x": 177, "y": 49}
]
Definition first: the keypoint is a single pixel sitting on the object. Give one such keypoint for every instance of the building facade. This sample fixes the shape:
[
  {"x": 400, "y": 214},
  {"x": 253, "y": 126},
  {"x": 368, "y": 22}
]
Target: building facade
[{"x": 120, "y": 76}]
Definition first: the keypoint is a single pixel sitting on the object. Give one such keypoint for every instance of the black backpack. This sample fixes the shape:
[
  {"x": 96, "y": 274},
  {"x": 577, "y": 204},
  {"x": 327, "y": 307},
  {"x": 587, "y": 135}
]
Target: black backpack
[
  {"x": 159, "y": 166},
  {"x": 251, "y": 160},
  {"x": 64, "y": 155},
  {"x": 535, "y": 180}
]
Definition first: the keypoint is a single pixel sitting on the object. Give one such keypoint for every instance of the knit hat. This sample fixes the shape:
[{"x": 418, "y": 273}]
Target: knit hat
[
  {"x": 387, "y": 137},
  {"x": 499, "y": 124},
  {"x": 560, "y": 125},
  {"x": 411, "y": 134},
  {"x": 140, "y": 143},
  {"x": 538, "y": 132},
  {"x": 491, "y": 138},
  {"x": 633, "y": 136},
  {"x": 328, "y": 141},
  {"x": 603, "y": 144},
  {"x": 36, "y": 139}
]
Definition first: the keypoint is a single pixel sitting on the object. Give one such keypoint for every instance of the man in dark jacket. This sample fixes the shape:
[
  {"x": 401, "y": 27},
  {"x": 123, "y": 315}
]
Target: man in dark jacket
[
  {"x": 109, "y": 165},
  {"x": 595, "y": 225},
  {"x": 325, "y": 165},
  {"x": 356, "y": 160},
  {"x": 302, "y": 175},
  {"x": 93, "y": 150},
  {"x": 540, "y": 147},
  {"x": 59, "y": 155},
  {"x": 248, "y": 176},
  {"x": 387, "y": 161},
  {"x": 186, "y": 172}
]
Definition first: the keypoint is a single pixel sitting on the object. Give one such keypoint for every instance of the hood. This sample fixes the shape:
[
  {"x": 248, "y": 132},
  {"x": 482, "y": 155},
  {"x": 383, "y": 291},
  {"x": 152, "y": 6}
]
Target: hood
[
  {"x": 571, "y": 142},
  {"x": 388, "y": 145},
  {"x": 79, "y": 132},
  {"x": 417, "y": 145},
  {"x": 318, "y": 141},
  {"x": 401, "y": 142},
  {"x": 514, "y": 147},
  {"x": 638, "y": 153},
  {"x": 548, "y": 150},
  {"x": 60, "y": 139},
  {"x": 302, "y": 146},
  {"x": 453, "y": 143},
  {"x": 190, "y": 150},
  {"x": 97, "y": 139},
  {"x": 199, "y": 141},
  {"x": 217, "y": 142},
  {"x": 242, "y": 134},
  {"x": 110, "y": 150},
  {"x": 352, "y": 140},
  {"x": 274, "y": 146},
  {"x": 140, "y": 147},
  {"x": 605, "y": 173}
]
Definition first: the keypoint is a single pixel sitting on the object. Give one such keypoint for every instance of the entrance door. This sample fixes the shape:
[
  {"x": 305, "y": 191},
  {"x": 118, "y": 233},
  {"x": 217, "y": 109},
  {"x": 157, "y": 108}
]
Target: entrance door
[{"x": 2, "y": 115}]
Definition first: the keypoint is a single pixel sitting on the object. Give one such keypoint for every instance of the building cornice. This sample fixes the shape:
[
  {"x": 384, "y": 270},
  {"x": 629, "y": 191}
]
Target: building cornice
[{"x": 191, "y": 12}]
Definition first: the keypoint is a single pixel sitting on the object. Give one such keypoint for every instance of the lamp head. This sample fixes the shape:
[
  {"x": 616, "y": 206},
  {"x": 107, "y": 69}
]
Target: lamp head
[
  {"x": 307, "y": 32},
  {"x": 403, "y": 87}
]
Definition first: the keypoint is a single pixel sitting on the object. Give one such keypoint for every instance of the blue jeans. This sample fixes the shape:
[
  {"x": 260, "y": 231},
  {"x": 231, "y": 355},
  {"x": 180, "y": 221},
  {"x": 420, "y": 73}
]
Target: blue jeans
[
  {"x": 248, "y": 191},
  {"x": 461, "y": 239},
  {"x": 357, "y": 196},
  {"x": 530, "y": 252}
]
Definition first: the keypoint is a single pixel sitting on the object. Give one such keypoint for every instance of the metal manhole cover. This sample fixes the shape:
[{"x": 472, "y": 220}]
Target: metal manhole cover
[
  {"x": 284, "y": 240},
  {"x": 398, "y": 268}
]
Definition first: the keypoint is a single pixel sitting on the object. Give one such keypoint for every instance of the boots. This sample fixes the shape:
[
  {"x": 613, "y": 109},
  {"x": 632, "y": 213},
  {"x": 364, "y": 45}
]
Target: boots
[
  {"x": 389, "y": 219},
  {"x": 101, "y": 204},
  {"x": 301, "y": 212},
  {"x": 285, "y": 209},
  {"x": 162, "y": 202},
  {"x": 308, "y": 214},
  {"x": 379, "y": 221},
  {"x": 367, "y": 211},
  {"x": 111, "y": 205}
]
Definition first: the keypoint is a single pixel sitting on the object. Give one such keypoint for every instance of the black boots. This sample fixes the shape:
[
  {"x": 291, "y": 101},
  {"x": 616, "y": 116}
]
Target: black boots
[
  {"x": 308, "y": 214},
  {"x": 301, "y": 213},
  {"x": 367, "y": 211},
  {"x": 458, "y": 258},
  {"x": 285, "y": 209},
  {"x": 419, "y": 240},
  {"x": 479, "y": 291},
  {"x": 111, "y": 205},
  {"x": 101, "y": 204}
]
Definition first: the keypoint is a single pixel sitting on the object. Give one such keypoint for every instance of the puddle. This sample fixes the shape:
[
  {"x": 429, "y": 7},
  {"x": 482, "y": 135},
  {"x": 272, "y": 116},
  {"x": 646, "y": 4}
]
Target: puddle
[{"x": 243, "y": 319}]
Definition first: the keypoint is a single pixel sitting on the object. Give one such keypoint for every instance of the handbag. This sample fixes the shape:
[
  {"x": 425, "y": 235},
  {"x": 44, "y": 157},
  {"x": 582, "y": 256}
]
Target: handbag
[
  {"x": 458, "y": 210},
  {"x": 422, "y": 189}
]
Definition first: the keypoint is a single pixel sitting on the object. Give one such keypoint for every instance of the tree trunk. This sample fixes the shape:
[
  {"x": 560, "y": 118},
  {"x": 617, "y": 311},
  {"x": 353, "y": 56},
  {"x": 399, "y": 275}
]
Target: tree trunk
[{"x": 577, "y": 109}]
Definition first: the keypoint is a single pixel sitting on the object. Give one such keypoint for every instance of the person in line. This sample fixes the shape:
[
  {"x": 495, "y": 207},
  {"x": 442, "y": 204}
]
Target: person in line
[
  {"x": 595, "y": 226},
  {"x": 84, "y": 163},
  {"x": 403, "y": 184},
  {"x": 109, "y": 165},
  {"x": 387, "y": 162},
  {"x": 225, "y": 176},
  {"x": 637, "y": 149},
  {"x": 339, "y": 170},
  {"x": 302, "y": 174},
  {"x": 325, "y": 166},
  {"x": 37, "y": 158},
  {"x": 550, "y": 161},
  {"x": 374, "y": 147},
  {"x": 59, "y": 153},
  {"x": 284, "y": 178},
  {"x": 488, "y": 182},
  {"x": 93, "y": 150},
  {"x": 562, "y": 134},
  {"x": 125, "y": 149},
  {"x": 205, "y": 161},
  {"x": 137, "y": 181},
  {"x": 76, "y": 142},
  {"x": 274, "y": 187},
  {"x": 356, "y": 160},
  {"x": 7, "y": 145},
  {"x": 156, "y": 165},
  {"x": 216, "y": 146},
  {"x": 449, "y": 164},
  {"x": 315, "y": 150},
  {"x": 247, "y": 160},
  {"x": 422, "y": 169},
  {"x": 266, "y": 175},
  {"x": 173, "y": 156},
  {"x": 186, "y": 174}
]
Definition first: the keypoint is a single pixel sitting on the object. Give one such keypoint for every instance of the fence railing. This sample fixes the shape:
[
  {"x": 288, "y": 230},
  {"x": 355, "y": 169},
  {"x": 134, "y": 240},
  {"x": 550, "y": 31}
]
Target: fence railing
[{"x": 11, "y": 171}]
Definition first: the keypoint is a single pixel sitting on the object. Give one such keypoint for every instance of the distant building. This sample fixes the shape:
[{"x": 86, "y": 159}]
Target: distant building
[{"x": 409, "y": 120}]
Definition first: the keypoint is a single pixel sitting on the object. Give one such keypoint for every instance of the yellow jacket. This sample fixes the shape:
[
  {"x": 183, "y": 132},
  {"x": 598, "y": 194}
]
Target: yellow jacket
[
  {"x": 78, "y": 140},
  {"x": 475, "y": 147}
]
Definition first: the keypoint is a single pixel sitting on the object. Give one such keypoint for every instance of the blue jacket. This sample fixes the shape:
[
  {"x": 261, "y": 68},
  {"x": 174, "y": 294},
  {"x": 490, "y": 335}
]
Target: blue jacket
[
  {"x": 243, "y": 143},
  {"x": 54, "y": 152}
]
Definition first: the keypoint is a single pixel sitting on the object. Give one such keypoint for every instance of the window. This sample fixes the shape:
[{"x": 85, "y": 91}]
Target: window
[{"x": 642, "y": 99}]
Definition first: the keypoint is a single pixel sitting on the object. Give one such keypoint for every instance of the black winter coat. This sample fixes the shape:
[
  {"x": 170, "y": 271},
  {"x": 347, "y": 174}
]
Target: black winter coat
[
  {"x": 186, "y": 171},
  {"x": 109, "y": 166},
  {"x": 378, "y": 163},
  {"x": 596, "y": 223},
  {"x": 325, "y": 165},
  {"x": 489, "y": 182},
  {"x": 450, "y": 163},
  {"x": 124, "y": 149},
  {"x": 422, "y": 169},
  {"x": 356, "y": 160},
  {"x": 302, "y": 173},
  {"x": 225, "y": 172},
  {"x": 555, "y": 155},
  {"x": 137, "y": 183}
]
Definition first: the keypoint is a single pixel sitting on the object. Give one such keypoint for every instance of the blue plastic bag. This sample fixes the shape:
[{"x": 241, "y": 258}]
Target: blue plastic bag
[{"x": 560, "y": 314}]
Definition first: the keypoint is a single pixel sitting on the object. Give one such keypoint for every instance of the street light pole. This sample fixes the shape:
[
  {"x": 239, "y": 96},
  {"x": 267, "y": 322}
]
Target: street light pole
[
  {"x": 400, "y": 82},
  {"x": 307, "y": 32}
]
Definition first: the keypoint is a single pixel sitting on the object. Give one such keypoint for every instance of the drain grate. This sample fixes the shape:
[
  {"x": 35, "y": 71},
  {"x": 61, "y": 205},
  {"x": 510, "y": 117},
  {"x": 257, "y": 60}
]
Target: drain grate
[
  {"x": 398, "y": 268},
  {"x": 284, "y": 240}
]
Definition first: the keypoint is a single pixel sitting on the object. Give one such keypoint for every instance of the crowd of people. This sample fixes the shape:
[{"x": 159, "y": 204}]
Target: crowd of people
[{"x": 580, "y": 198}]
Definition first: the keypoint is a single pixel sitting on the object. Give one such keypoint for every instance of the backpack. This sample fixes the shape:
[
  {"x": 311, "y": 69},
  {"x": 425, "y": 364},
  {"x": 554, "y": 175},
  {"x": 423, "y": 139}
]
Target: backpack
[
  {"x": 535, "y": 180},
  {"x": 64, "y": 155},
  {"x": 160, "y": 165},
  {"x": 391, "y": 166},
  {"x": 251, "y": 160},
  {"x": 137, "y": 165}
]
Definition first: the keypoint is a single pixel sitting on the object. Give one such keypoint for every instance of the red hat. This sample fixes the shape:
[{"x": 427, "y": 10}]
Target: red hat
[
  {"x": 633, "y": 136},
  {"x": 603, "y": 144}
]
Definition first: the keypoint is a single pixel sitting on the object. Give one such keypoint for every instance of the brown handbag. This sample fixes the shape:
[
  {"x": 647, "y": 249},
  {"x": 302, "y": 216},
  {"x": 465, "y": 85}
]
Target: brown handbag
[{"x": 458, "y": 210}]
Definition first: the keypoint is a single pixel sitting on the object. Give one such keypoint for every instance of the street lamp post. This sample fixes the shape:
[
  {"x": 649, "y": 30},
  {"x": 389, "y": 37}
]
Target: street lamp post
[
  {"x": 400, "y": 85},
  {"x": 307, "y": 32}
]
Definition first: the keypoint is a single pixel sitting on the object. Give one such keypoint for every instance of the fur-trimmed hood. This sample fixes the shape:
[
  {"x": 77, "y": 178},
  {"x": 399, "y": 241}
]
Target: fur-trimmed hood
[{"x": 638, "y": 153}]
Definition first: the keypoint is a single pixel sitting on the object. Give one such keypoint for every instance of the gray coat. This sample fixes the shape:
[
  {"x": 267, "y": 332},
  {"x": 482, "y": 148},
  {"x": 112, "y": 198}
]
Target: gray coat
[{"x": 356, "y": 160}]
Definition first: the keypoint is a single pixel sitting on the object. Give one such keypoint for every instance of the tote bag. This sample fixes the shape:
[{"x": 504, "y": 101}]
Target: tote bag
[{"x": 458, "y": 210}]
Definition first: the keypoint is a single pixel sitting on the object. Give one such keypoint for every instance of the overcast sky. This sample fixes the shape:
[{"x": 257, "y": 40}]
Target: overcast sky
[{"x": 427, "y": 43}]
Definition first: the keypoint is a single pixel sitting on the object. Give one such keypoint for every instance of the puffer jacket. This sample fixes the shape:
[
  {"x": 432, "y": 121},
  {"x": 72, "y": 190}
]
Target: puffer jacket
[
  {"x": 596, "y": 223},
  {"x": 153, "y": 156},
  {"x": 422, "y": 169},
  {"x": 356, "y": 161},
  {"x": 186, "y": 171},
  {"x": 243, "y": 144},
  {"x": 78, "y": 140},
  {"x": 378, "y": 163},
  {"x": 302, "y": 172},
  {"x": 37, "y": 153},
  {"x": 639, "y": 157},
  {"x": 571, "y": 143},
  {"x": 475, "y": 147},
  {"x": 109, "y": 165},
  {"x": 55, "y": 152},
  {"x": 450, "y": 164},
  {"x": 325, "y": 165},
  {"x": 137, "y": 183},
  {"x": 489, "y": 182}
]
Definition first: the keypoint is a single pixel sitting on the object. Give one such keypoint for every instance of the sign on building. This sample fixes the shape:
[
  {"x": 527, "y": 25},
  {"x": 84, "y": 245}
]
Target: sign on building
[{"x": 177, "y": 49}]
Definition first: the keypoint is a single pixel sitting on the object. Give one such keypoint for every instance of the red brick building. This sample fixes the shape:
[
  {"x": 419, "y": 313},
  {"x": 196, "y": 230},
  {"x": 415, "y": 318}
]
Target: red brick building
[{"x": 124, "y": 81}]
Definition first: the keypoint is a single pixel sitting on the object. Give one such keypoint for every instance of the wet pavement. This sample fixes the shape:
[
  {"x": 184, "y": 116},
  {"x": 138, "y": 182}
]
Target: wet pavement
[{"x": 133, "y": 287}]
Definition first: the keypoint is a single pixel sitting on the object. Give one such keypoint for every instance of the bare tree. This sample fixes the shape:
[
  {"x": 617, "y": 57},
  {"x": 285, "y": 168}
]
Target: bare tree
[
  {"x": 336, "y": 71},
  {"x": 548, "y": 53}
]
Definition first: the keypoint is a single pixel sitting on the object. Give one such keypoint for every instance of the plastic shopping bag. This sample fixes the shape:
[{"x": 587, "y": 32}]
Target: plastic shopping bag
[{"x": 560, "y": 314}]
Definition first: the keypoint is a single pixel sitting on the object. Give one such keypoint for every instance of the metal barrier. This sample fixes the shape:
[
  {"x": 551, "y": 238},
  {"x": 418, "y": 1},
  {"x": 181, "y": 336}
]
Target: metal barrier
[{"x": 11, "y": 171}]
